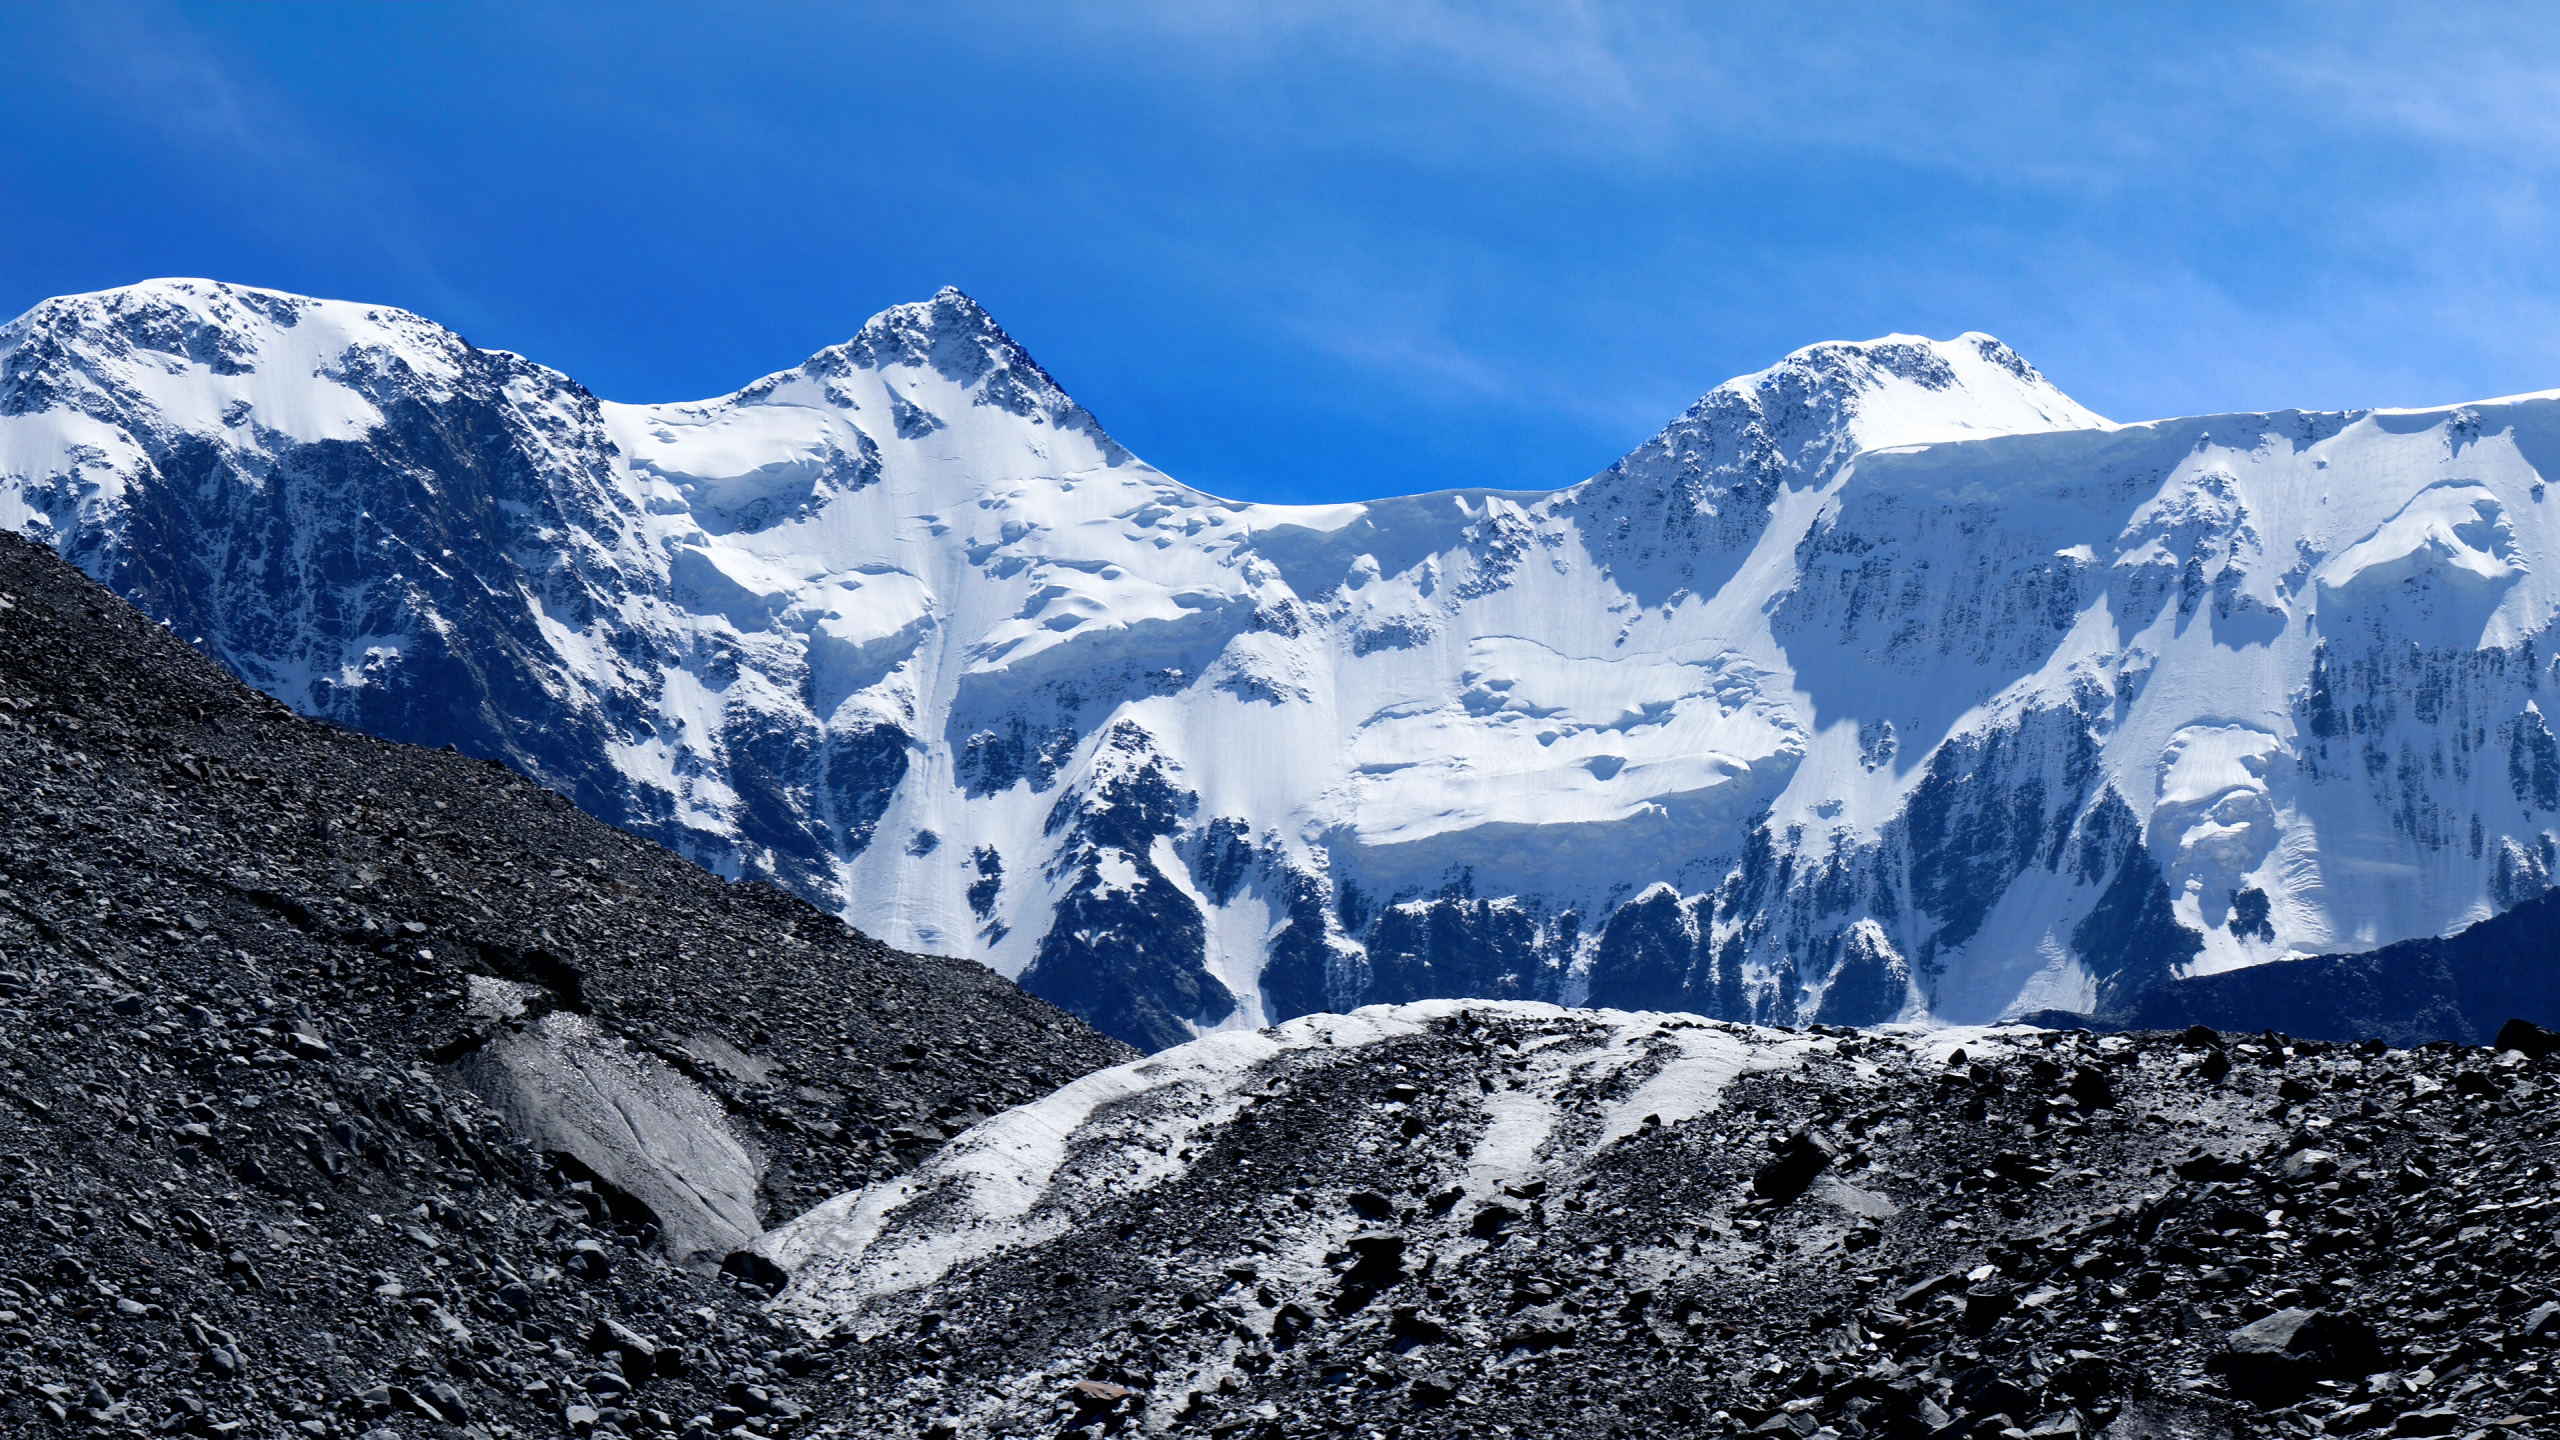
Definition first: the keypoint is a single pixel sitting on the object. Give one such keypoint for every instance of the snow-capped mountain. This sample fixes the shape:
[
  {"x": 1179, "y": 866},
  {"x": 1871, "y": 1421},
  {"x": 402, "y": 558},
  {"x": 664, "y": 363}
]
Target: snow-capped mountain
[{"x": 1885, "y": 683}]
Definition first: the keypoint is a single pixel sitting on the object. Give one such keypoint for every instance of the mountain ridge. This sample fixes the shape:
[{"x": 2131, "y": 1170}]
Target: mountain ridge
[{"x": 1885, "y": 683}]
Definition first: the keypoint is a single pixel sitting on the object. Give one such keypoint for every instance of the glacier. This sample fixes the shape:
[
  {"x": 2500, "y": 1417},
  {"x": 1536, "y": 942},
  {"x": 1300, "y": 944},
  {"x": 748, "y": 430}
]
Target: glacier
[{"x": 1885, "y": 684}]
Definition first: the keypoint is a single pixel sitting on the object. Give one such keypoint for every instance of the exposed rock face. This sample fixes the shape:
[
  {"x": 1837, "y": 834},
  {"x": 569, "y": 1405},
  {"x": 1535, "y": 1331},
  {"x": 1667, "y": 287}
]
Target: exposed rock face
[
  {"x": 629, "y": 1119},
  {"x": 1456, "y": 1218},
  {"x": 353, "y": 1086},
  {"x": 1887, "y": 683}
]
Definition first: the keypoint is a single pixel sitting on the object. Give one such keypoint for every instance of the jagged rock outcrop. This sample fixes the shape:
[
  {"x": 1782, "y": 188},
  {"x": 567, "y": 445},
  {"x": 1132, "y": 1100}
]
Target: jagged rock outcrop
[{"x": 2462, "y": 987}]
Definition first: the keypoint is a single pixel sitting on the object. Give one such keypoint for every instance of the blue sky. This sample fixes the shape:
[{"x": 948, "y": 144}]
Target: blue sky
[{"x": 1313, "y": 253}]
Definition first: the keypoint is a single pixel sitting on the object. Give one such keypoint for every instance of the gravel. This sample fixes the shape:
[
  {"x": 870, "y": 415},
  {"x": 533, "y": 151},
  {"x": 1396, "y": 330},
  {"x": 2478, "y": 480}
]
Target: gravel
[
  {"x": 249, "y": 1184},
  {"x": 2057, "y": 1234}
]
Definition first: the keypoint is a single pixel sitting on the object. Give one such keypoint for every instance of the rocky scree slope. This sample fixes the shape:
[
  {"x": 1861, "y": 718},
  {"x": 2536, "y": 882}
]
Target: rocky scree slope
[
  {"x": 1507, "y": 1219},
  {"x": 349, "y": 1088},
  {"x": 1886, "y": 683}
]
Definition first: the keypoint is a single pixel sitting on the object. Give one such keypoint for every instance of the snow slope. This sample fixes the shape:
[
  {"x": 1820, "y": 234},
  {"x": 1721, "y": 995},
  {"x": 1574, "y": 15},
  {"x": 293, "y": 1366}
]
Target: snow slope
[{"x": 1885, "y": 683}]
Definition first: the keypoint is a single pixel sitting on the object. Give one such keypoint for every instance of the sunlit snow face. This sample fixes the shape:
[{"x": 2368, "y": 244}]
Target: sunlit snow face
[{"x": 2215, "y": 823}]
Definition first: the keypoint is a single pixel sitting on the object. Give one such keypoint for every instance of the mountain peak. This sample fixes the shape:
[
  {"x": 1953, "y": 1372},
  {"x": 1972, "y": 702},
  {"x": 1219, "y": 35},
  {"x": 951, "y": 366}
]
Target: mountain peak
[
  {"x": 954, "y": 336},
  {"x": 203, "y": 353},
  {"x": 951, "y": 332},
  {"x": 1910, "y": 389},
  {"x": 1705, "y": 482},
  {"x": 181, "y": 316}
]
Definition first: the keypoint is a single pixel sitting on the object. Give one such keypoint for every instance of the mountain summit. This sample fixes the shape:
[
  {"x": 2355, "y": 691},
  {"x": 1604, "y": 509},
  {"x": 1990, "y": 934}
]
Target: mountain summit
[{"x": 1885, "y": 683}]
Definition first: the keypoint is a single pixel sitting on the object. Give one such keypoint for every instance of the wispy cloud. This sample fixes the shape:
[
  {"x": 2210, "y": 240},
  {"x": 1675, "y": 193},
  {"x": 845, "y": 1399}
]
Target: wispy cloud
[
  {"x": 2257, "y": 204},
  {"x": 1511, "y": 238},
  {"x": 224, "y": 128}
]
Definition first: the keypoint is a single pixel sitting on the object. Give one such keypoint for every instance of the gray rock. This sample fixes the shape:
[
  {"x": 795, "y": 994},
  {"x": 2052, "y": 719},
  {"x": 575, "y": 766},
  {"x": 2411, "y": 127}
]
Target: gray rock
[
  {"x": 629, "y": 1118},
  {"x": 2274, "y": 1360},
  {"x": 1538, "y": 1327},
  {"x": 1803, "y": 1156},
  {"x": 637, "y": 1354},
  {"x": 2309, "y": 1165},
  {"x": 2523, "y": 1035}
]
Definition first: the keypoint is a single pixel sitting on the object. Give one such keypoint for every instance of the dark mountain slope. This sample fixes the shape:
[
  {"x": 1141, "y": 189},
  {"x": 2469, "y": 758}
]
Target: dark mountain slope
[
  {"x": 328, "y": 1064},
  {"x": 2458, "y": 987}
]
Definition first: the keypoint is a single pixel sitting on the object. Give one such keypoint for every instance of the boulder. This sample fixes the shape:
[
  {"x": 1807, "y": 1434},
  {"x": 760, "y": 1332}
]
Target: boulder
[
  {"x": 631, "y": 1120},
  {"x": 1803, "y": 1156},
  {"x": 2276, "y": 1360},
  {"x": 2524, "y": 1035}
]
